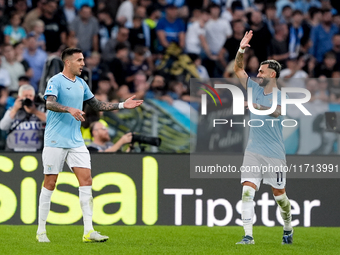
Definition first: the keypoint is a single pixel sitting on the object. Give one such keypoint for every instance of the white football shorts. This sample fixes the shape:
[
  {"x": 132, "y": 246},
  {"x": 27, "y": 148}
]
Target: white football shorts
[
  {"x": 256, "y": 167},
  {"x": 53, "y": 158}
]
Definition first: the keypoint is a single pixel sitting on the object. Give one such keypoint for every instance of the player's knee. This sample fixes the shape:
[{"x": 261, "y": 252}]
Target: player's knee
[
  {"x": 86, "y": 181},
  {"x": 49, "y": 183},
  {"x": 248, "y": 193}
]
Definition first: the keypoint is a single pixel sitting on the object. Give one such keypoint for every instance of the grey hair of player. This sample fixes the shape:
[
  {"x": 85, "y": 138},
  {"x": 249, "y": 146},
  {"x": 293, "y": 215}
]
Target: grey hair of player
[
  {"x": 273, "y": 64},
  {"x": 24, "y": 88}
]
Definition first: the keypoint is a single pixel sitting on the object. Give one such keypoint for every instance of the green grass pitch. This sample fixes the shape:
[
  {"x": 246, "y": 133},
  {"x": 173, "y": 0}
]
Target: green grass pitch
[{"x": 167, "y": 240}]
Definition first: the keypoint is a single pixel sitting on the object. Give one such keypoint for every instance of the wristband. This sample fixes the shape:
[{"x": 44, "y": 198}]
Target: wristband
[
  {"x": 121, "y": 105},
  {"x": 241, "y": 50},
  {"x": 258, "y": 107}
]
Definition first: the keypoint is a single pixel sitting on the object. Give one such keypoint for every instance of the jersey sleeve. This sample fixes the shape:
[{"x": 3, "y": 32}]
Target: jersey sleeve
[
  {"x": 87, "y": 92},
  {"x": 52, "y": 88}
]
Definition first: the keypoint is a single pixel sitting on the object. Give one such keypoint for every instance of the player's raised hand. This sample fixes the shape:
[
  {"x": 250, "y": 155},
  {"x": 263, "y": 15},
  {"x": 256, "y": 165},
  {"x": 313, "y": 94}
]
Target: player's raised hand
[
  {"x": 246, "y": 39},
  {"x": 76, "y": 113},
  {"x": 130, "y": 103}
]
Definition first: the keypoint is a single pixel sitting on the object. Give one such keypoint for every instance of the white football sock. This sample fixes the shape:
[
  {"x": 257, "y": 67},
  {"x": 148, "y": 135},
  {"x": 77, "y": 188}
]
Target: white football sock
[
  {"x": 248, "y": 194},
  {"x": 285, "y": 210},
  {"x": 44, "y": 208},
  {"x": 86, "y": 204}
]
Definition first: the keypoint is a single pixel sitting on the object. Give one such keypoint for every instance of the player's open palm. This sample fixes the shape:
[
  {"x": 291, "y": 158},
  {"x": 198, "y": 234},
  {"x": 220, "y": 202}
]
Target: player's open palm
[
  {"x": 130, "y": 103},
  {"x": 246, "y": 39}
]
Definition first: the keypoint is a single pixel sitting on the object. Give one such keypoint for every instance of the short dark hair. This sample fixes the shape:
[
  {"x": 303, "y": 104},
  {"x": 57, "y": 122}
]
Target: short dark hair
[
  {"x": 273, "y": 64},
  {"x": 297, "y": 12},
  {"x": 121, "y": 46},
  {"x": 69, "y": 52}
]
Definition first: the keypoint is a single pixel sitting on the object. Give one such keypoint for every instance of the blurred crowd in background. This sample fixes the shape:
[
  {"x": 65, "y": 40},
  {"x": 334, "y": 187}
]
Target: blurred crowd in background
[{"x": 151, "y": 48}]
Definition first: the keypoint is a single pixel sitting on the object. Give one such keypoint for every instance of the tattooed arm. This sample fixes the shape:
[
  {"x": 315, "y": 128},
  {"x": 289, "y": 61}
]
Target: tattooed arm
[
  {"x": 101, "y": 106},
  {"x": 53, "y": 105},
  {"x": 239, "y": 65},
  {"x": 106, "y": 106}
]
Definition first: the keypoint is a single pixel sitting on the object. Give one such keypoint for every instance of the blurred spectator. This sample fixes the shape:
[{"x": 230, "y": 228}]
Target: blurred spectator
[
  {"x": 19, "y": 56},
  {"x": 217, "y": 31},
  {"x": 69, "y": 11},
  {"x": 322, "y": 35},
  {"x": 298, "y": 31},
  {"x": 105, "y": 88},
  {"x": 118, "y": 64},
  {"x": 79, "y": 3},
  {"x": 287, "y": 13},
  {"x": 326, "y": 5},
  {"x": 55, "y": 26},
  {"x": 195, "y": 39},
  {"x": 125, "y": 11},
  {"x": 107, "y": 28},
  {"x": 14, "y": 32},
  {"x": 33, "y": 15},
  {"x": 261, "y": 38},
  {"x": 3, "y": 103},
  {"x": 305, "y": 5},
  {"x": 138, "y": 88},
  {"x": 326, "y": 67},
  {"x": 36, "y": 58},
  {"x": 140, "y": 12},
  {"x": 171, "y": 29},
  {"x": 252, "y": 66},
  {"x": 336, "y": 47},
  {"x": 235, "y": 13},
  {"x": 281, "y": 5},
  {"x": 145, "y": 3},
  {"x": 14, "y": 68},
  {"x": 101, "y": 139},
  {"x": 334, "y": 87},
  {"x": 137, "y": 34},
  {"x": 109, "y": 51},
  {"x": 97, "y": 68},
  {"x": 38, "y": 33},
  {"x": 270, "y": 17},
  {"x": 336, "y": 19},
  {"x": 158, "y": 90},
  {"x": 137, "y": 64},
  {"x": 201, "y": 70},
  {"x": 24, "y": 122},
  {"x": 232, "y": 44},
  {"x": 315, "y": 16},
  {"x": 293, "y": 76},
  {"x": 153, "y": 15},
  {"x": 85, "y": 27},
  {"x": 5, "y": 79},
  {"x": 20, "y": 7},
  {"x": 278, "y": 48}
]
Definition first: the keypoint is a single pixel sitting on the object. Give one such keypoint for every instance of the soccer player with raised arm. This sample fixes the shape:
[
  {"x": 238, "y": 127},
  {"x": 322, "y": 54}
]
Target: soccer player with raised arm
[
  {"x": 265, "y": 145},
  {"x": 64, "y": 95}
]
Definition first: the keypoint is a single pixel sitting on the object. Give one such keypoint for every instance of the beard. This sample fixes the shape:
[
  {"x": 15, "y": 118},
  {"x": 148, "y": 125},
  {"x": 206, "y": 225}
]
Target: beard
[{"x": 264, "y": 82}]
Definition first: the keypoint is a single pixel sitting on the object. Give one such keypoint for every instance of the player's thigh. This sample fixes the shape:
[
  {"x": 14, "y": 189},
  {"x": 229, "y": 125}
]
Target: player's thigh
[
  {"x": 53, "y": 160},
  {"x": 83, "y": 175},
  {"x": 275, "y": 175},
  {"x": 78, "y": 157},
  {"x": 251, "y": 170}
]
